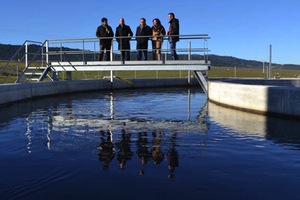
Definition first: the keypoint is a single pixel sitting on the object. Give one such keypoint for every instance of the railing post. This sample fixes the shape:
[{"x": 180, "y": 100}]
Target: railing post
[
  {"x": 189, "y": 58},
  {"x": 61, "y": 58},
  {"x": 167, "y": 50},
  {"x": 26, "y": 54},
  {"x": 111, "y": 51},
  {"x": 83, "y": 50},
  {"x": 270, "y": 62},
  {"x": 47, "y": 52}
]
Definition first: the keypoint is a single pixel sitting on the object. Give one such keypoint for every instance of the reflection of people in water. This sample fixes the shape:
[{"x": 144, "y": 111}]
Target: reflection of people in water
[
  {"x": 156, "y": 151},
  {"x": 106, "y": 148},
  {"x": 142, "y": 147},
  {"x": 124, "y": 149},
  {"x": 172, "y": 157}
]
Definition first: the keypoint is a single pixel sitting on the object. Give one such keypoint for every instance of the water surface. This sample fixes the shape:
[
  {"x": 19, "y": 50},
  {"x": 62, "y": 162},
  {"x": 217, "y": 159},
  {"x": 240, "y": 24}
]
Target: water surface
[{"x": 145, "y": 144}]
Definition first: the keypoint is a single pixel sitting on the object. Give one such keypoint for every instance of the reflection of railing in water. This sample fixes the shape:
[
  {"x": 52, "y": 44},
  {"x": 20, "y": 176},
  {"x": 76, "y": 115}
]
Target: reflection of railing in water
[
  {"x": 67, "y": 121},
  {"x": 120, "y": 140}
]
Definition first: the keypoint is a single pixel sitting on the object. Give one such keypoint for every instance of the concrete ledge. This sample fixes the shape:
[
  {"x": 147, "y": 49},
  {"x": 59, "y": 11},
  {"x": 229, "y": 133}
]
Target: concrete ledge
[
  {"x": 10, "y": 93},
  {"x": 266, "y": 99}
]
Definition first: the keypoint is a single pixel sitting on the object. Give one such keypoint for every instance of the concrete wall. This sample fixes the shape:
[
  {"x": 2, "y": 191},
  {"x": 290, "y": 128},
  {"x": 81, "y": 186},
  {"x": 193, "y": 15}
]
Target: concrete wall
[
  {"x": 275, "y": 82},
  {"x": 10, "y": 93},
  {"x": 282, "y": 100}
]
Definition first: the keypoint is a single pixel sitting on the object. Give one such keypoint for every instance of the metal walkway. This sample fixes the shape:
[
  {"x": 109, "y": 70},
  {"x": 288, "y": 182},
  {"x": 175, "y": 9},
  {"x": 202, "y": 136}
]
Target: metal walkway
[
  {"x": 198, "y": 66},
  {"x": 53, "y": 57}
]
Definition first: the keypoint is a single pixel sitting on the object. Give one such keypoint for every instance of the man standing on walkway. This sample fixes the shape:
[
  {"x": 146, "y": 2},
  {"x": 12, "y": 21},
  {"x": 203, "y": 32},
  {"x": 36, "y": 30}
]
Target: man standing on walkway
[
  {"x": 105, "y": 44},
  {"x": 173, "y": 34},
  {"x": 143, "y": 33},
  {"x": 123, "y": 36}
]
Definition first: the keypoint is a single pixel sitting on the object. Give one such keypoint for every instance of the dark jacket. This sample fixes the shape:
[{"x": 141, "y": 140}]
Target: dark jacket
[
  {"x": 174, "y": 29},
  {"x": 104, "y": 31},
  {"x": 142, "y": 42},
  {"x": 124, "y": 43}
]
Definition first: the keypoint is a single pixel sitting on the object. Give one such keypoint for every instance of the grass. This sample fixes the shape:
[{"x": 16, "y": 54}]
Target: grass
[
  {"x": 244, "y": 72},
  {"x": 216, "y": 72}
]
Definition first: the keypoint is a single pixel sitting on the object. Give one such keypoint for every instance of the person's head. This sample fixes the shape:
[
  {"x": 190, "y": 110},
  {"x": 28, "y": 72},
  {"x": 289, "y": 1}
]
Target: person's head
[
  {"x": 104, "y": 21},
  {"x": 122, "y": 21},
  {"x": 142, "y": 21},
  {"x": 156, "y": 22},
  {"x": 171, "y": 16}
]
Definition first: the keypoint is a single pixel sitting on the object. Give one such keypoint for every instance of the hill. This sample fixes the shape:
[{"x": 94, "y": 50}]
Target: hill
[{"x": 7, "y": 50}]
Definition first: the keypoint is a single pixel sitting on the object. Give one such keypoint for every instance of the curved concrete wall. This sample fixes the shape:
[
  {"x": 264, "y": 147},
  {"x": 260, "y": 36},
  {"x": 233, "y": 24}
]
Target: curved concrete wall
[
  {"x": 257, "y": 98},
  {"x": 10, "y": 93}
]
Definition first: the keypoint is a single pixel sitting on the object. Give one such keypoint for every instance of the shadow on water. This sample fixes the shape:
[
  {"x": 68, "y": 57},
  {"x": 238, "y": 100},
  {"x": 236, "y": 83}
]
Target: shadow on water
[{"x": 276, "y": 129}]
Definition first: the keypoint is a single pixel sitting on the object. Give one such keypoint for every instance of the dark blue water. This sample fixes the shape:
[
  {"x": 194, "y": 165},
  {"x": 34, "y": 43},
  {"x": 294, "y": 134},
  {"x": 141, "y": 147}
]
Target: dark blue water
[{"x": 145, "y": 144}]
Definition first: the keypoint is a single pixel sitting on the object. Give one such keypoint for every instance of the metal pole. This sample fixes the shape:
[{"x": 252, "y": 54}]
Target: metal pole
[
  {"x": 26, "y": 54},
  {"x": 47, "y": 53},
  {"x": 270, "y": 62},
  {"x": 111, "y": 52},
  {"x": 189, "y": 58},
  {"x": 83, "y": 51},
  {"x": 189, "y": 104},
  {"x": 61, "y": 58},
  {"x": 189, "y": 50},
  {"x": 166, "y": 54},
  {"x": 234, "y": 71}
]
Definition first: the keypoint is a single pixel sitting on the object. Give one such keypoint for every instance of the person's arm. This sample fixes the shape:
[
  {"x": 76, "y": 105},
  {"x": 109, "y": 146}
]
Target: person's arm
[
  {"x": 175, "y": 30},
  {"x": 130, "y": 32},
  {"x": 136, "y": 32},
  {"x": 117, "y": 35},
  {"x": 111, "y": 32},
  {"x": 163, "y": 31},
  {"x": 98, "y": 32}
]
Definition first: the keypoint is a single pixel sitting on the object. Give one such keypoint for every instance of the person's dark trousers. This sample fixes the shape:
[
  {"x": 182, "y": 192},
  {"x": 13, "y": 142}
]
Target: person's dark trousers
[
  {"x": 173, "y": 50},
  {"x": 125, "y": 55},
  {"x": 108, "y": 49},
  {"x": 142, "y": 54}
]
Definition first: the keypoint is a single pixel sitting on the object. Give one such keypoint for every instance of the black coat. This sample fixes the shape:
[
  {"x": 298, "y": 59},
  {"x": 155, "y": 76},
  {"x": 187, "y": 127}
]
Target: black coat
[
  {"x": 174, "y": 29},
  {"x": 124, "y": 43},
  {"x": 142, "y": 42},
  {"x": 104, "y": 31}
]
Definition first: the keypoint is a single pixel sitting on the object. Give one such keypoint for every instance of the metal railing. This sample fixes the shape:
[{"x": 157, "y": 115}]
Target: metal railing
[
  {"x": 28, "y": 52},
  {"x": 40, "y": 54},
  {"x": 87, "y": 49}
]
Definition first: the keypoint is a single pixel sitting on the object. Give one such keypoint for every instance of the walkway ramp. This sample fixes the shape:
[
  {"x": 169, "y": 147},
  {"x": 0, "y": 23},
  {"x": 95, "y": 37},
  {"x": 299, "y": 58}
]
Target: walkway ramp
[
  {"x": 193, "y": 65},
  {"x": 199, "y": 67}
]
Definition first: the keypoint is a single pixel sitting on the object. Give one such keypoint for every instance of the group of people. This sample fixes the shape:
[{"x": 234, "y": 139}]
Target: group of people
[{"x": 143, "y": 33}]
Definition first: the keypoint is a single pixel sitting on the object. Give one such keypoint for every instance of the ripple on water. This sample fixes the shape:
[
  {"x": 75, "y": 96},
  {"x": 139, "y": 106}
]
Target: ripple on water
[{"x": 84, "y": 145}]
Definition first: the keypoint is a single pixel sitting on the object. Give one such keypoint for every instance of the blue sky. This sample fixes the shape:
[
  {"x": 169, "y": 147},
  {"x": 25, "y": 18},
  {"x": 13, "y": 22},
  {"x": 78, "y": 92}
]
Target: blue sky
[{"x": 238, "y": 28}]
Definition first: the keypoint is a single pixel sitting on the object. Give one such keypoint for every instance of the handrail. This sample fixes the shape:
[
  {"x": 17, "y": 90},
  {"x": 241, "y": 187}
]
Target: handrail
[
  {"x": 85, "y": 48},
  {"x": 31, "y": 60},
  {"x": 165, "y": 37},
  {"x": 16, "y": 53},
  {"x": 88, "y": 49},
  {"x": 13, "y": 57}
]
